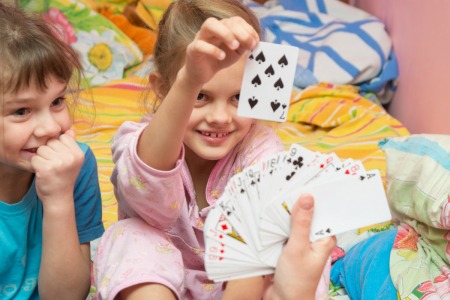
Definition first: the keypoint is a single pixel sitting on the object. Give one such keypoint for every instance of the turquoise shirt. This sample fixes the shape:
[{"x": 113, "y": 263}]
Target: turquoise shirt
[{"x": 21, "y": 231}]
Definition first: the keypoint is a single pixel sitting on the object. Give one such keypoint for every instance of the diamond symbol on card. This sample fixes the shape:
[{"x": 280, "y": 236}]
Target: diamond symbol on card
[{"x": 225, "y": 227}]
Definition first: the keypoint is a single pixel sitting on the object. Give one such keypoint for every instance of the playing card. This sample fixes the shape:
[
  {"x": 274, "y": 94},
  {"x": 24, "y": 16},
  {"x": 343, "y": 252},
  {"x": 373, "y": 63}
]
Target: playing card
[
  {"x": 248, "y": 226},
  {"x": 268, "y": 81},
  {"x": 347, "y": 203}
]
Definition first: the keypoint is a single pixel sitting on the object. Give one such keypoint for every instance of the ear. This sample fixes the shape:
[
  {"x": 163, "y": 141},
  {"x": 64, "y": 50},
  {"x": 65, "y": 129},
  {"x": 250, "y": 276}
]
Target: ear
[{"x": 157, "y": 84}]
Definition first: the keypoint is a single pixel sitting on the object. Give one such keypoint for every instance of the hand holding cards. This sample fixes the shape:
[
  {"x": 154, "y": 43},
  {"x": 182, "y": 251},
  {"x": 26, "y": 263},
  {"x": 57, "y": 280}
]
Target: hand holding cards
[
  {"x": 268, "y": 81},
  {"x": 249, "y": 224}
]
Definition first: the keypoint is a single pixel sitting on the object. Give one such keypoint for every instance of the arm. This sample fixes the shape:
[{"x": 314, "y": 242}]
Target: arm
[
  {"x": 244, "y": 289},
  {"x": 217, "y": 45},
  {"x": 301, "y": 263},
  {"x": 64, "y": 270}
]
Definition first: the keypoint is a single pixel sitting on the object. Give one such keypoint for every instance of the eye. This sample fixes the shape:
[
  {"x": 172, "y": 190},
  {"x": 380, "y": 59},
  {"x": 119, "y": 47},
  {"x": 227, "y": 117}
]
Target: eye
[
  {"x": 21, "y": 112},
  {"x": 201, "y": 97},
  {"x": 58, "y": 101}
]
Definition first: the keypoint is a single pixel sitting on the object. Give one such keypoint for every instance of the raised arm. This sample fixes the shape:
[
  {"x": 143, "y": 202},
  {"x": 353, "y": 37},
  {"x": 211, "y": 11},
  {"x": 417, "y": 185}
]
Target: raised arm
[{"x": 217, "y": 45}]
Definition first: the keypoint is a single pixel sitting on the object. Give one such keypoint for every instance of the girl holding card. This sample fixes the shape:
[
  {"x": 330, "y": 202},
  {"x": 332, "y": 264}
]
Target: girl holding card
[{"x": 175, "y": 163}]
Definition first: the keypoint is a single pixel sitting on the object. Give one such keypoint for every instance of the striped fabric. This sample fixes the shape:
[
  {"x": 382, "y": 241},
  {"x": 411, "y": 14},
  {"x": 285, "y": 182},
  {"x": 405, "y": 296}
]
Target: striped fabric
[
  {"x": 326, "y": 118},
  {"x": 115, "y": 103}
]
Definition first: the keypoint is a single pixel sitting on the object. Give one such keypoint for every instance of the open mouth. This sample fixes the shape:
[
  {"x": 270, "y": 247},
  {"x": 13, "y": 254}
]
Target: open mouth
[{"x": 214, "y": 134}]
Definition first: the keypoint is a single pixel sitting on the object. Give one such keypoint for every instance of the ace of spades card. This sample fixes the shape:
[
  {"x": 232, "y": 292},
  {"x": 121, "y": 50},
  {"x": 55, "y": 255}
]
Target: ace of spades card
[{"x": 267, "y": 82}]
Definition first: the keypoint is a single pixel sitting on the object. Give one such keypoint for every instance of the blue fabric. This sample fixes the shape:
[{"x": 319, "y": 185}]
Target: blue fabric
[
  {"x": 21, "y": 231},
  {"x": 364, "y": 270},
  {"x": 325, "y": 36}
]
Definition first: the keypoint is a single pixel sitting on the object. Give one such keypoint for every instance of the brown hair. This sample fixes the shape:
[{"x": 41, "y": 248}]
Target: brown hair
[
  {"x": 31, "y": 52},
  {"x": 179, "y": 25}
]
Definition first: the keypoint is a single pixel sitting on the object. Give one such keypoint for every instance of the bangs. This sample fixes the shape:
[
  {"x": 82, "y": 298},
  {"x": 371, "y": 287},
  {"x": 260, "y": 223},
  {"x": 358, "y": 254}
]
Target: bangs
[
  {"x": 35, "y": 65},
  {"x": 32, "y": 56}
]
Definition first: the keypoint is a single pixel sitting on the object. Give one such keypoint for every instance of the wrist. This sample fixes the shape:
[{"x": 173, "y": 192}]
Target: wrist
[{"x": 183, "y": 78}]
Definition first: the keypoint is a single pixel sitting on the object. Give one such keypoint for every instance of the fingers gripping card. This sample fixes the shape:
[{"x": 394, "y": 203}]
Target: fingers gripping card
[{"x": 268, "y": 81}]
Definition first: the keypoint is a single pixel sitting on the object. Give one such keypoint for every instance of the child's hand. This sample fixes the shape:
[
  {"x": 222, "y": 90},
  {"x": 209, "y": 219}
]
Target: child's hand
[
  {"x": 217, "y": 45},
  {"x": 57, "y": 165},
  {"x": 301, "y": 263}
]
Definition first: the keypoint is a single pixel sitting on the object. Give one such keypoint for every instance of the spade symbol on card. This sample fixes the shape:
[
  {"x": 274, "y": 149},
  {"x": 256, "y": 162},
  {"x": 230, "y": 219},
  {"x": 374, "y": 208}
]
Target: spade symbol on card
[
  {"x": 269, "y": 71},
  {"x": 251, "y": 57},
  {"x": 283, "y": 61},
  {"x": 260, "y": 58},
  {"x": 275, "y": 104},
  {"x": 252, "y": 101},
  {"x": 257, "y": 81},
  {"x": 278, "y": 84}
]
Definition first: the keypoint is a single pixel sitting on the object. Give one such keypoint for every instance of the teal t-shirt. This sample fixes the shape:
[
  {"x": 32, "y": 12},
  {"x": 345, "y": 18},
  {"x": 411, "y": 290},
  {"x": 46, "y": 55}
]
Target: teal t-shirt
[{"x": 21, "y": 231}]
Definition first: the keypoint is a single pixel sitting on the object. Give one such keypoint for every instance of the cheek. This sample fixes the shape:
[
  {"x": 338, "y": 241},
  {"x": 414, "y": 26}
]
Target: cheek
[
  {"x": 64, "y": 121},
  {"x": 246, "y": 123}
]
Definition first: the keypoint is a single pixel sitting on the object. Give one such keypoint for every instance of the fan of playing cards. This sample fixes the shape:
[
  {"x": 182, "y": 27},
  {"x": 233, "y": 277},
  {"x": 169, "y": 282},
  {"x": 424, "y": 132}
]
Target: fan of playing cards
[{"x": 248, "y": 225}]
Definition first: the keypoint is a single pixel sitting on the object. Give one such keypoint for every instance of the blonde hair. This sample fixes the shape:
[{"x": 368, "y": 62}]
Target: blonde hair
[{"x": 179, "y": 25}]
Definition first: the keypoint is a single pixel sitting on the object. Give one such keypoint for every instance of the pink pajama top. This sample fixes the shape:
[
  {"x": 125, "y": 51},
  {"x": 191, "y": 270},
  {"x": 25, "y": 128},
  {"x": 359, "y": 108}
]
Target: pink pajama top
[{"x": 166, "y": 199}]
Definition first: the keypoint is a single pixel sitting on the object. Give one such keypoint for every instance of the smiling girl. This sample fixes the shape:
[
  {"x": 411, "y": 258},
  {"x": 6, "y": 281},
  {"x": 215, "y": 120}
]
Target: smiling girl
[
  {"x": 174, "y": 164},
  {"x": 50, "y": 206}
]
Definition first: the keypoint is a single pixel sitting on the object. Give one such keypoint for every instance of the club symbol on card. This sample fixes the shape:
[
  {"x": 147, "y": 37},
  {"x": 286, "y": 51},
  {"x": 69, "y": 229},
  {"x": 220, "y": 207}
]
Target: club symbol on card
[
  {"x": 298, "y": 163},
  {"x": 278, "y": 84},
  {"x": 252, "y": 101},
  {"x": 289, "y": 176},
  {"x": 283, "y": 61},
  {"x": 269, "y": 71},
  {"x": 275, "y": 104},
  {"x": 257, "y": 81},
  {"x": 260, "y": 58}
]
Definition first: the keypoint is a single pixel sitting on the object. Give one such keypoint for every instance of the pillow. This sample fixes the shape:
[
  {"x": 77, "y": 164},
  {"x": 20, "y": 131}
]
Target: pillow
[
  {"x": 418, "y": 190},
  {"x": 104, "y": 49}
]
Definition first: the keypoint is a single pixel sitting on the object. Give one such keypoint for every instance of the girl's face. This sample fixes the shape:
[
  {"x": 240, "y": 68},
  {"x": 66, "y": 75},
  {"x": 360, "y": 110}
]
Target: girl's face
[
  {"x": 214, "y": 127},
  {"x": 28, "y": 120}
]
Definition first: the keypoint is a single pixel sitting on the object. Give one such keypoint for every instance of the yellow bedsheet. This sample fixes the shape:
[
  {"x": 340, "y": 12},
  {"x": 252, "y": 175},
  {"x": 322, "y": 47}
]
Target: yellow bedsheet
[{"x": 325, "y": 118}]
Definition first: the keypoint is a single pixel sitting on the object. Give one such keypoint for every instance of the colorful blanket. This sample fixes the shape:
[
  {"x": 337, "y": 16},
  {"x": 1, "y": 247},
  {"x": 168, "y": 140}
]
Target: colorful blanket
[
  {"x": 418, "y": 189},
  {"x": 324, "y": 117}
]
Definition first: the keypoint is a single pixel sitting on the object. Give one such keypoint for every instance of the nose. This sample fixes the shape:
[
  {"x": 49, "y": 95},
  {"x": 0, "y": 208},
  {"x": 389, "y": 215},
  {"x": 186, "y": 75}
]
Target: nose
[
  {"x": 219, "y": 112},
  {"x": 47, "y": 126}
]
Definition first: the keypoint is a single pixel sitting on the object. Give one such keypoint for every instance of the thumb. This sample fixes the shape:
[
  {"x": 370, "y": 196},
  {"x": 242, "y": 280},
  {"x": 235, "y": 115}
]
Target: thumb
[{"x": 301, "y": 218}]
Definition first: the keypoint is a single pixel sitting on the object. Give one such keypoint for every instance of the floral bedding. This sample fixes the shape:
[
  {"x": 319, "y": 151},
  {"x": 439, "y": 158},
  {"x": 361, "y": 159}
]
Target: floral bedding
[{"x": 323, "y": 116}]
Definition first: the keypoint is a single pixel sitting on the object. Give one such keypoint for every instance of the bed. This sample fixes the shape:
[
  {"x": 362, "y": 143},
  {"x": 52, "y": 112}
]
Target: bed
[{"x": 345, "y": 82}]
